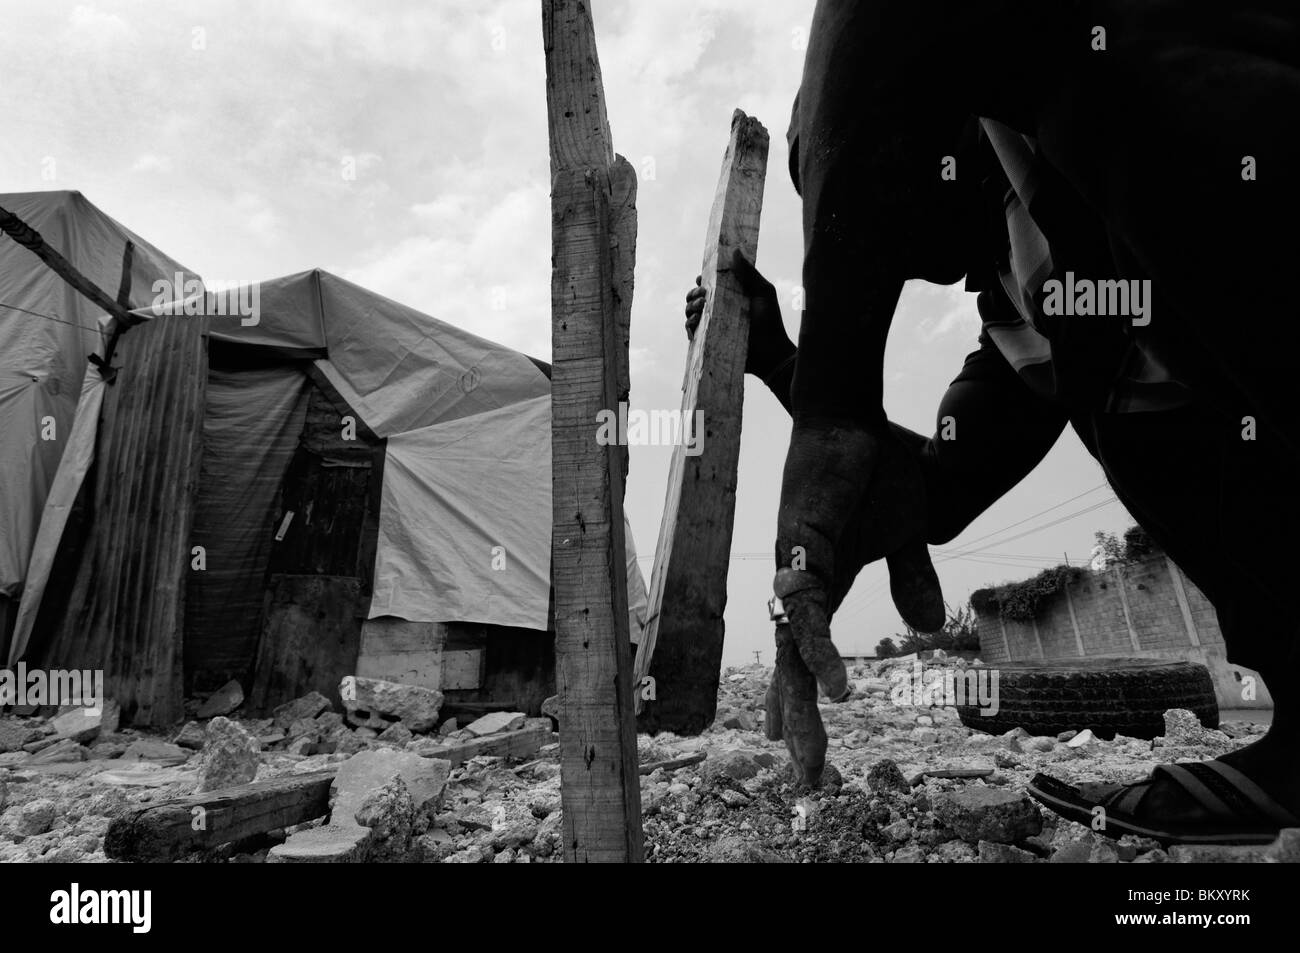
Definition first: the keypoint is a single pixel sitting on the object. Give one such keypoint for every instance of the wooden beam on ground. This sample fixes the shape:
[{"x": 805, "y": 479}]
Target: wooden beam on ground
[
  {"x": 674, "y": 763},
  {"x": 166, "y": 831},
  {"x": 601, "y": 792},
  {"x": 523, "y": 743},
  {"x": 681, "y": 649}
]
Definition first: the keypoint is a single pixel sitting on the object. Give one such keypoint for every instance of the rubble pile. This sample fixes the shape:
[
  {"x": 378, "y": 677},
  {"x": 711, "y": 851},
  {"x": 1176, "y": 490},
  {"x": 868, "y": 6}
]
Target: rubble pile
[{"x": 908, "y": 783}]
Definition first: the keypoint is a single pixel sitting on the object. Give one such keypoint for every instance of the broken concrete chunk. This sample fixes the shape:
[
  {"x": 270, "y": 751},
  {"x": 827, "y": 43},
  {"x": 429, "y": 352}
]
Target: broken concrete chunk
[
  {"x": 223, "y": 701},
  {"x": 84, "y": 725},
  {"x": 496, "y": 721},
  {"x": 885, "y": 777},
  {"x": 981, "y": 813},
  {"x": 367, "y": 771},
  {"x": 1084, "y": 737},
  {"x": 35, "y": 817},
  {"x": 192, "y": 736},
  {"x": 329, "y": 844},
  {"x": 230, "y": 756},
  {"x": 389, "y": 814},
  {"x": 992, "y": 853},
  {"x": 309, "y": 706},
  {"x": 396, "y": 734},
  {"x": 14, "y": 735},
  {"x": 159, "y": 752},
  {"x": 552, "y": 707},
  {"x": 374, "y": 703},
  {"x": 61, "y": 752}
]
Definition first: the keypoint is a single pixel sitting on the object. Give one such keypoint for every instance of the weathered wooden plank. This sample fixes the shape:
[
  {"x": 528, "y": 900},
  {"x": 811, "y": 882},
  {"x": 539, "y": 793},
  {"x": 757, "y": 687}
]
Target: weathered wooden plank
[
  {"x": 674, "y": 763},
  {"x": 126, "y": 608},
  {"x": 166, "y": 831},
  {"x": 523, "y": 743},
  {"x": 601, "y": 793},
  {"x": 681, "y": 649}
]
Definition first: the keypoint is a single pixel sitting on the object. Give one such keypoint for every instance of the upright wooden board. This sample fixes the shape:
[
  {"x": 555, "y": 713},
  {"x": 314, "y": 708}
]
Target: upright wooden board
[
  {"x": 681, "y": 650},
  {"x": 601, "y": 791},
  {"x": 126, "y": 608}
]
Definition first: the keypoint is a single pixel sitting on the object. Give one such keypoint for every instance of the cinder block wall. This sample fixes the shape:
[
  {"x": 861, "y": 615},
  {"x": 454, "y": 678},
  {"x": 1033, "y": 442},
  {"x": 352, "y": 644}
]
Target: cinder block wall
[{"x": 1142, "y": 609}]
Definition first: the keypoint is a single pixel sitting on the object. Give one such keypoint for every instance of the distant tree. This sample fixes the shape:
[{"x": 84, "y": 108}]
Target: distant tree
[
  {"x": 1138, "y": 544},
  {"x": 960, "y": 632},
  {"x": 886, "y": 648}
]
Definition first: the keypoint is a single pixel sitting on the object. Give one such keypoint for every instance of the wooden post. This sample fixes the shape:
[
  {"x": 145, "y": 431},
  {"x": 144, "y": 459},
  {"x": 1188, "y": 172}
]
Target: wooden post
[
  {"x": 681, "y": 649},
  {"x": 601, "y": 792}
]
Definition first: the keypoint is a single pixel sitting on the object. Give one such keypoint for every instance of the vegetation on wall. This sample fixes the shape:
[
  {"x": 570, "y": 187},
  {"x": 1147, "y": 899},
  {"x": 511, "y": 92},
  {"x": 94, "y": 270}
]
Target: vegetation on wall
[{"x": 1022, "y": 601}]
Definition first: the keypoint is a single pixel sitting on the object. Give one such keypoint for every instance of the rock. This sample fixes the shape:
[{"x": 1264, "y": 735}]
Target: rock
[
  {"x": 733, "y": 849},
  {"x": 303, "y": 728},
  {"x": 1182, "y": 728},
  {"x": 982, "y": 813},
  {"x": 36, "y": 817},
  {"x": 1041, "y": 743},
  {"x": 1072, "y": 852},
  {"x": 739, "y": 721},
  {"x": 1083, "y": 738},
  {"x": 84, "y": 725},
  {"x": 885, "y": 777},
  {"x": 898, "y": 832},
  {"x": 367, "y": 771},
  {"x": 497, "y": 721},
  {"x": 450, "y": 726},
  {"x": 734, "y": 798},
  {"x": 1066, "y": 735},
  {"x": 908, "y": 855},
  {"x": 389, "y": 814},
  {"x": 4, "y": 795},
  {"x": 13, "y": 735},
  {"x": 950, "y": 852},
  {"x": 328, "y": 721},
  {"x": 230, "y": 756},
  {"x": 328, "y": 844},
  {"x": 1284, "y": 850},
  {"x": 1103, "y": 852},
  {"x": 159, "y": 752},
  {"x": 1214, "y": 854},
  {"x": 223, "y": 701},
  {"x": 993, "y": 853},
  {"x": 552, "y": 707},
  {"x": 739, "y": 765},
  {"x": 192, "y": 736},
  {"x": 397, "y": 734},
  {"x": 304, "y": 745},
  {"x": 61, "y": 752},
  {"x": 514, "y": 833},
  {"x": 308, "y": 706},
  {"x": 374, "y": 703},
  {"x": 925, "y": 736}
]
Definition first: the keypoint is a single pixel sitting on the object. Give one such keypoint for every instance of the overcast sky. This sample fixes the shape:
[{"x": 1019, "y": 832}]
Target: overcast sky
[{"x": 222, "y": 131}]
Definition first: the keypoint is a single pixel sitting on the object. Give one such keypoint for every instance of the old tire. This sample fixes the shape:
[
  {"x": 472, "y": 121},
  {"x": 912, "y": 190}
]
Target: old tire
[{"x": 1126, "y": 696}]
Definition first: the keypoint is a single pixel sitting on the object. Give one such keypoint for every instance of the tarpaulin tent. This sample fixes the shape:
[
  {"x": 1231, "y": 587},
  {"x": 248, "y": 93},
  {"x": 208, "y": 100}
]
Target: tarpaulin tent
[
  {"x": 46, "y": 331},
  {"x": 348, "y": 457}
]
